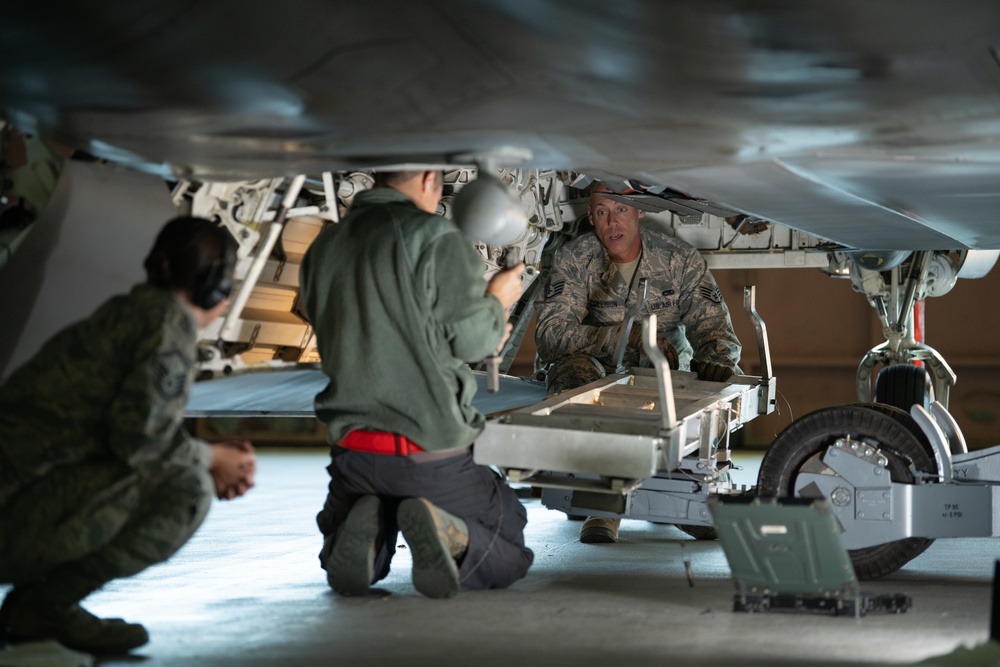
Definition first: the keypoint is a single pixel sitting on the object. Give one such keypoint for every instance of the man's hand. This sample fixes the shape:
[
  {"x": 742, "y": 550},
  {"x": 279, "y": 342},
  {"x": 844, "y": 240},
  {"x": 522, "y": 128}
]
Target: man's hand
[
  {"x": 714, "y": 372},
  {"x": 506, "y": 335},
  {"x": 635, "y": 342},
  {"x": 233, "y": 468},
  {"x": 506, "y": 285}
]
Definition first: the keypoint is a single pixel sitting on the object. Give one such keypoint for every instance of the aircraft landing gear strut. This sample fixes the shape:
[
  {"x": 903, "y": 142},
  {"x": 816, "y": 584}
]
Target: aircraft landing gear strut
[{"x": 898, "y": 384}]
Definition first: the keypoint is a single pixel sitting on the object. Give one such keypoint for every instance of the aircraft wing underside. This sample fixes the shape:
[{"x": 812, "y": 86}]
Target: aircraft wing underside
[{"x": 871, "y": 125}]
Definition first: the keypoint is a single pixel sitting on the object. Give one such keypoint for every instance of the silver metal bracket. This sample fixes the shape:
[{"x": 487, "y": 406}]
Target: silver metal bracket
[
  {"x": 938, "y": 442},
  {"x": 768, "y": 388},
  {"x": 626, "y": 326}
]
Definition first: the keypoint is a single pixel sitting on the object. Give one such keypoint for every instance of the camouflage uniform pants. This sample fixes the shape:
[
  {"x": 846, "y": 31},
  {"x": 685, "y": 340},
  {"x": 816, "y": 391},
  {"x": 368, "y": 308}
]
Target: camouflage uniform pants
[
  {"x": 83, "y": 526},
  {"x": 572, "y": 372}
]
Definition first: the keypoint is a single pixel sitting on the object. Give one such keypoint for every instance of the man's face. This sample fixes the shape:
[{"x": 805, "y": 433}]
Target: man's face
[{"x": 617, "y": 226}]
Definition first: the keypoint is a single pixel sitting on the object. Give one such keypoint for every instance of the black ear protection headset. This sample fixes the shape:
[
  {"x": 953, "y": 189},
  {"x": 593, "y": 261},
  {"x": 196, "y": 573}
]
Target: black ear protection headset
[
  {"x": 173, "y": 261},
  {"x": 215, "y": 283}
]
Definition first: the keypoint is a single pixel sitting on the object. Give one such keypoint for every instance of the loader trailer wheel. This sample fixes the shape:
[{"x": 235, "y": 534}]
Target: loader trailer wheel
[{"x": 800, "y": 448}]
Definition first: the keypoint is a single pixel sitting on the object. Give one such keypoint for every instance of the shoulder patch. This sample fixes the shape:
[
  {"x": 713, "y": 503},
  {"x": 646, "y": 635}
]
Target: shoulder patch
[
  {"x": 170, "y": 374},
  {"x": 710, "y": 293},
  {"x": 555, "y": 289}
]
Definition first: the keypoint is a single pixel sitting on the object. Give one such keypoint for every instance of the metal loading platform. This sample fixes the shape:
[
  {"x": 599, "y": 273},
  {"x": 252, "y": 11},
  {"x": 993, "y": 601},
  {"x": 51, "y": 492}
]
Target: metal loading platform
[{"x": 646, "y": 443}]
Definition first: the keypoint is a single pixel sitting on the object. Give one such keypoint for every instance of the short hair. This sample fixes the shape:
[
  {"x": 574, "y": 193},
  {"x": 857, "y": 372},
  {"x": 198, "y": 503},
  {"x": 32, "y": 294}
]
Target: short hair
[
  {"x": 390, "y": 179},
  {"x": 592, "y": 189},
  {"x": 196, "y": 256}
]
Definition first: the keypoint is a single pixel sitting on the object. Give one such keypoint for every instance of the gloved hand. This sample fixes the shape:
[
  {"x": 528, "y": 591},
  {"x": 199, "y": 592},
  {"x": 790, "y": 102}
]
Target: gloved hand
[
  {"x": 635, "y": 342},
  {"x": 714, "y": 372}
]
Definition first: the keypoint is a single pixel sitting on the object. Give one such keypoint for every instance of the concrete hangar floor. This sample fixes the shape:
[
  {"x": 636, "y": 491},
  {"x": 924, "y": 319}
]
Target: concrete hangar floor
[{"x": 248, "y": 590}]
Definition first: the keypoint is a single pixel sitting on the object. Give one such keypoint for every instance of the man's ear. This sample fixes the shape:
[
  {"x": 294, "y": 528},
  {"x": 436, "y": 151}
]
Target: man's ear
[
  {"x": 427, "y": 181},
  {"x": 642, "y": 213}
]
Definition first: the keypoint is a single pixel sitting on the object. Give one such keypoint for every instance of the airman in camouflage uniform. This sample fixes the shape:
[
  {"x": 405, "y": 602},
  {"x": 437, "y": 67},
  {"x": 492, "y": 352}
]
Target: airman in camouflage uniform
[
  {"x": 98, "y": 479},
  {"x": 587, "y": 297},
  {"x": 594, "y": 281}
]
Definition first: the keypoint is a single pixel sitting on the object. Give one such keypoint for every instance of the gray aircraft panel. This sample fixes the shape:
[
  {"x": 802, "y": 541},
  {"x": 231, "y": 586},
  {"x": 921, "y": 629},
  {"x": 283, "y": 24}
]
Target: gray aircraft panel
[{"x": 290, "y": 393}]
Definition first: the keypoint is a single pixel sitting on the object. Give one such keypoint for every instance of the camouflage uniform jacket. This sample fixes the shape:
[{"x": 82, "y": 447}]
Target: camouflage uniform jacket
[
  {"x": 397, "y": 299},
  {"x": 586, "y": 298},
  {"x": 110, "y": 387}
]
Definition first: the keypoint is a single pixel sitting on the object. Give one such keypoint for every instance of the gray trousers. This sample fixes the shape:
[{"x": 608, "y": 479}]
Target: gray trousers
[
  {"x": 496, "y": 556},
  {"x": 78, "y": 527}
]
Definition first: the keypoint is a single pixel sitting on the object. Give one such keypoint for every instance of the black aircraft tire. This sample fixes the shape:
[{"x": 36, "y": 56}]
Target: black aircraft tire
[
  {"x": 903, "y": 385},
  {"x": 810, "y": 436}
]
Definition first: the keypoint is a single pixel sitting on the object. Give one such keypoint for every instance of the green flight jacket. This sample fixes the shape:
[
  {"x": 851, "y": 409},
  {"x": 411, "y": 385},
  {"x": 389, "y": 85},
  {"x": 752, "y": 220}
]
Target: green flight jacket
[
  {"x": 398, "y": 302},
  {"x": 110, "y": 387}
]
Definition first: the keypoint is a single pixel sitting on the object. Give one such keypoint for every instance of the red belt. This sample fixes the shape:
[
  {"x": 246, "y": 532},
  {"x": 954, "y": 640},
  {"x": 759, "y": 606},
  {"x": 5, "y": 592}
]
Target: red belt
[{"x": 379, "y": 442}]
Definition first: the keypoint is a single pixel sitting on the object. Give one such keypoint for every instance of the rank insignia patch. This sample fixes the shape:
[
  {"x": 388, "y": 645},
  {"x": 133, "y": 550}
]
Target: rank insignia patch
[
  {"x": 170, "y": 374},
  {"x": 711, "y": 293}
]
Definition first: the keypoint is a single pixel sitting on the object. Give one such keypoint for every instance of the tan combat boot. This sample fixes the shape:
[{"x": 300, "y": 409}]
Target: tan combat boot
[
  {"x": 437, "y": 539},
  {"x": 350, "y": 567},
  {"x": 599, "y": 530}
]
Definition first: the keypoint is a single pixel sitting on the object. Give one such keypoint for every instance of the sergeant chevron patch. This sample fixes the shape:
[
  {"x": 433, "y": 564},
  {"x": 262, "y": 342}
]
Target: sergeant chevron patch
[{"x": 711, "y": 293}]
